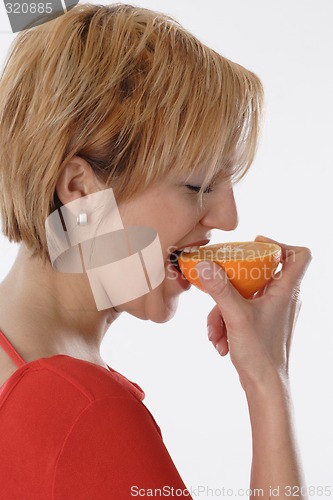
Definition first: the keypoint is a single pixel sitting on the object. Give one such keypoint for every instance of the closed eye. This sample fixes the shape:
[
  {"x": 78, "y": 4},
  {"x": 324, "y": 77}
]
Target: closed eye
[{"x": 197, "y": 188}]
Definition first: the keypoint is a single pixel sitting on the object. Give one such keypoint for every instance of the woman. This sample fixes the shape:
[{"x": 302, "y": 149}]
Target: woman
[{"x": 124, "y": 99}]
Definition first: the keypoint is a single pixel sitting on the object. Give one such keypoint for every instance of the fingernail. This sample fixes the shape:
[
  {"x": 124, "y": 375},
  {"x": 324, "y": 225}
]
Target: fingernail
[
  {"x": 220, "y": 350},
  {"x": 204, "y": 270}
]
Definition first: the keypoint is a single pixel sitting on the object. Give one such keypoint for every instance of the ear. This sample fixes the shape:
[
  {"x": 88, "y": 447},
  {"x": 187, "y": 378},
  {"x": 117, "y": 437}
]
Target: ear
[{"x": 77, "y": 179}]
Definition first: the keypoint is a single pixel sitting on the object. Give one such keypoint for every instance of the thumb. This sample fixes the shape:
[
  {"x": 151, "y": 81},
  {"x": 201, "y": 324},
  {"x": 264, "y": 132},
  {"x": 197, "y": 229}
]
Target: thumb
[{"x": 215, "y": 282}]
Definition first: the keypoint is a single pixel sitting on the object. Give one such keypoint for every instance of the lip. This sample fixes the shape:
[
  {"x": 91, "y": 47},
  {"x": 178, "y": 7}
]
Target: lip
[
  {"x": 182, "y": 282},
  {"x": 193, "y": 244},
  {"x": 173, "y": 256}
]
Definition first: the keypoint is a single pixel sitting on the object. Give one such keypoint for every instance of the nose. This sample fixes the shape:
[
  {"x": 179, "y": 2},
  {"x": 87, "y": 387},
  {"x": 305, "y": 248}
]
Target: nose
[{"x": 221, "y": 210}]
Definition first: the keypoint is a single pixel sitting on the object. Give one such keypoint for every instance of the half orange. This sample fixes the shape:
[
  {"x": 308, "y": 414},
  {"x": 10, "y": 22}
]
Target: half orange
[{"x": 249, "y": 265}]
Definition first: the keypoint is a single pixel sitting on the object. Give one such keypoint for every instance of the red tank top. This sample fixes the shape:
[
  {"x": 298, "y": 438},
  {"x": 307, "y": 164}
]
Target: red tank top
[{"x": 73, "y": 429}]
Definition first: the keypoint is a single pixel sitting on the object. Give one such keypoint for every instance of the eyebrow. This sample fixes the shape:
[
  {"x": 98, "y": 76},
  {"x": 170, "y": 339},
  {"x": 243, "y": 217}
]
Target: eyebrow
[{"x": 220, "y": 174}]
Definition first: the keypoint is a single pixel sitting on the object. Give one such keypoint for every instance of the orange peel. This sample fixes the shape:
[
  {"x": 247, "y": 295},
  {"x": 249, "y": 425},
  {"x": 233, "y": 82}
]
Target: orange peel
[{"x": 249, "y": 265}]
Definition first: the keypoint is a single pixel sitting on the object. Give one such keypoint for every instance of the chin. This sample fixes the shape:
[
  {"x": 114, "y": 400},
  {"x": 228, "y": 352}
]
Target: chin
[
  {"x": 161, "y": 304},
  {"x": 165, "y": 313},
  {"x": 156, "y": 306}
]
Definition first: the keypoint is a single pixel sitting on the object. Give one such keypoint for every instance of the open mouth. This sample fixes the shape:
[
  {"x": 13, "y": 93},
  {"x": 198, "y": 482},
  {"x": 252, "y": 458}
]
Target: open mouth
[
  {"x": 174, "y": 260},
  {"x": 174, "y": 256}
]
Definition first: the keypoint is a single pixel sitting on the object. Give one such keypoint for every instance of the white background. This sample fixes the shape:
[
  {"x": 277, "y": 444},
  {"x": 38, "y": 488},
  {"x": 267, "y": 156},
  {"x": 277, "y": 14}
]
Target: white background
[{"x": 195, "y": 395}]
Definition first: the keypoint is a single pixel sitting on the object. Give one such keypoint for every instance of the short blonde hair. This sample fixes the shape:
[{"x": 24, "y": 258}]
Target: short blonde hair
[{"x": 129, "y": 90}]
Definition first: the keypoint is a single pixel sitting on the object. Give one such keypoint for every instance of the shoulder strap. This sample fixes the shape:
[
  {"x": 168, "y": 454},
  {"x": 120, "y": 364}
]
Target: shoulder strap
[{"x": 9, "y": 349}]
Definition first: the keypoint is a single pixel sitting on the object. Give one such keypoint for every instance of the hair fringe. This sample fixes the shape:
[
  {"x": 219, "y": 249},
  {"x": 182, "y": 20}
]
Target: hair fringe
[{"x": 131, "y": 91}]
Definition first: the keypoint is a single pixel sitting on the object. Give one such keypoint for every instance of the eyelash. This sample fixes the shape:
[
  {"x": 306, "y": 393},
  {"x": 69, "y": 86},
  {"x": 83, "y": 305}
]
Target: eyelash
[{"x": 197, "y": 188}]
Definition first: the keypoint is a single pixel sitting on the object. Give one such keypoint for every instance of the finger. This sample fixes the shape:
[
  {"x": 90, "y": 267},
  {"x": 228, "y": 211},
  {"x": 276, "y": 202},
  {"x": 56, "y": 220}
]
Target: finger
[
  {"x": 217, "y": 332},
  {"x": 222, "y": 346},
  {"x": 232, "y": 305},
  {"x": 295, "y": 261},
  {"x": 260, "y": 292},
  {"x": 215, "y": 325}
]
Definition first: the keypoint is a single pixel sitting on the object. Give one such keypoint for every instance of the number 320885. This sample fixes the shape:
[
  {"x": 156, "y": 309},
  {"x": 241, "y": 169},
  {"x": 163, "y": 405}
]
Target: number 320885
[{"x": 29, "y": 8}]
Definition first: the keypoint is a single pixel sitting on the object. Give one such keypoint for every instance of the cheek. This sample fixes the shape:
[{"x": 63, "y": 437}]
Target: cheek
[{"x": 172, "y": 215}]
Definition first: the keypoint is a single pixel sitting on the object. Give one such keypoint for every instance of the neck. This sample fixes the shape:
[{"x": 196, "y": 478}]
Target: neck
[{"x": 44, "y": 311}]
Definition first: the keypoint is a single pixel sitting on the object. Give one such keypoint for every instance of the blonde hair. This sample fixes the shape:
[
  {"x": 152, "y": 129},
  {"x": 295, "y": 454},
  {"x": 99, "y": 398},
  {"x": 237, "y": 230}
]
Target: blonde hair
[{"x": 129, "y": 90}]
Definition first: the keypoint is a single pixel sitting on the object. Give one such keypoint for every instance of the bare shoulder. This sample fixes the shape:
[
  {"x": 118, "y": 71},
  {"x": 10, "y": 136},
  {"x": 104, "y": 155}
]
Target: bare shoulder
[{"x": 7, "y": 367}]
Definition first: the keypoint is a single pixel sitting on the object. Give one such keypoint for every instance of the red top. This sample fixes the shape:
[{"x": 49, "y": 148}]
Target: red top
[{"x": 73, "y": 429}]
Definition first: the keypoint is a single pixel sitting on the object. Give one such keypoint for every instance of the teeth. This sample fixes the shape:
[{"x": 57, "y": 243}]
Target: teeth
[{"x": 190, "y": 249}]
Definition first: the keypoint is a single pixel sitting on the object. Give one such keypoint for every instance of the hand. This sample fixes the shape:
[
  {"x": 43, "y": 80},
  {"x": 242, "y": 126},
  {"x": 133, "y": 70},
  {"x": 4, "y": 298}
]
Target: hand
[{"x": 258, "y": 331}]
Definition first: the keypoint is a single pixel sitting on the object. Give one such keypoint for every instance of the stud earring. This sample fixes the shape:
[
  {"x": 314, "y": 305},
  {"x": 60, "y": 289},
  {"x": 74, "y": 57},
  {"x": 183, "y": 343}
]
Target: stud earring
[{"x": 82, "y": 219}]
